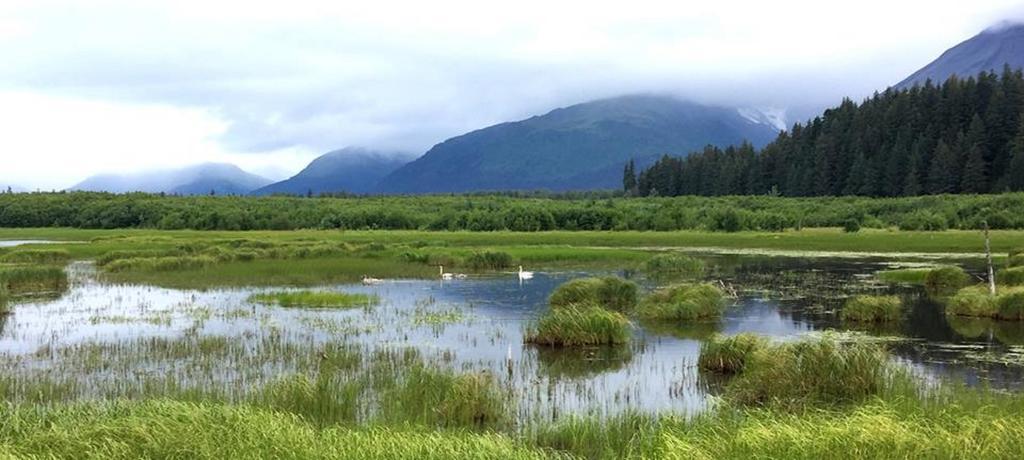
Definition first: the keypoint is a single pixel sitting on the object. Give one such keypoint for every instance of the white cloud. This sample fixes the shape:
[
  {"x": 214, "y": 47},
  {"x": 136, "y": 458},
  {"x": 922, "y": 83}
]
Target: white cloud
[{"x": 124, "y": 85}]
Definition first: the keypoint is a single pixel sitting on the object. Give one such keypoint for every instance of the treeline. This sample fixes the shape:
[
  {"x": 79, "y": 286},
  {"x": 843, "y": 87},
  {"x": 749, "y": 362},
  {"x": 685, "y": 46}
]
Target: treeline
[
  {"x": 496, "y": 212},
  {"x": 965, "y": 136}
]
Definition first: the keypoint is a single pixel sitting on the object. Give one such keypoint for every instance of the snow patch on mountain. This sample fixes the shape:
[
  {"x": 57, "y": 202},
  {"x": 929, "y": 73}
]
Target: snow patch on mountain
[{"x": 771, "y": 116}]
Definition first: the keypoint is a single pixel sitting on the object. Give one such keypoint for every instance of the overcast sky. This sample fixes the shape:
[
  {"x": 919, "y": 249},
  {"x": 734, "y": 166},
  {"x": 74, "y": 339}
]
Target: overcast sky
[{"x": 115, "y": 86}]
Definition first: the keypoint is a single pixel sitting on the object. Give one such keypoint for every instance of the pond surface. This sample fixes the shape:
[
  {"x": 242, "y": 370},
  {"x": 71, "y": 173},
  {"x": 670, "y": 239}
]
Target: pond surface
[
  {"x": 117, "y": 340},
  {"x": 13, "y": 243}
]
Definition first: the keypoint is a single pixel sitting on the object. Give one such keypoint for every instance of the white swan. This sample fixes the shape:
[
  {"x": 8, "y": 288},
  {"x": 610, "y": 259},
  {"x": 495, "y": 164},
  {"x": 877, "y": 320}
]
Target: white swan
[
  {"x": 524, "y": 275},
  {"x": 445, "y": 276},
  {"x": 371, "y": 281}
]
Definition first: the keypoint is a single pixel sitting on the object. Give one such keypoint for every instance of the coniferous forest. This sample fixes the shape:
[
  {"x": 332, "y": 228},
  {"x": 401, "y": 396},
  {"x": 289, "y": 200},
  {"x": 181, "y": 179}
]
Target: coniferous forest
[{"x": 964, "y": 136}]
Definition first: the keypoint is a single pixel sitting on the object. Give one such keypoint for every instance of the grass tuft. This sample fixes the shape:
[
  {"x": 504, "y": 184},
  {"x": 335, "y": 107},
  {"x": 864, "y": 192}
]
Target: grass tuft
[
  {"x": 314, "y": 299},
  {"x": 1011, "y": 276},
  {"x": 685, "y": 302},
  {"x": 945, "y": 281},
  {"x": 872, "y": 309},
  {"x": 609, "y": 292},
  {"x": 673, "y": 266},
  {"x": 579, "y": 326},
  {"x": 729, "y": 355}
]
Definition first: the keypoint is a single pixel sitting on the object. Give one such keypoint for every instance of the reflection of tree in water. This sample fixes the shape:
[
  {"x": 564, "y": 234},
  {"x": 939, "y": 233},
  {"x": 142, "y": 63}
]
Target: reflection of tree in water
[
  {"x": 698, "y": 330},
  {"x": 1009, "y": 333},
  {"x": 574, "y": 363}
]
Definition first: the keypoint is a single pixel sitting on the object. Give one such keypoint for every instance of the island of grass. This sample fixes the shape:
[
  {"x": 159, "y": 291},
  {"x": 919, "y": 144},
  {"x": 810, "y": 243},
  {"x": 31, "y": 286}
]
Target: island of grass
[
  {"x": 579, "y": 325},
  {"x": 684, "y": 302},
  {"x": 976, "y": 301},
  {"x": 314, "y": 299},
  {"x": 872, "y": 309},
  {"x": 673, "y": 266},
  {"x": 608, "y": 292}
]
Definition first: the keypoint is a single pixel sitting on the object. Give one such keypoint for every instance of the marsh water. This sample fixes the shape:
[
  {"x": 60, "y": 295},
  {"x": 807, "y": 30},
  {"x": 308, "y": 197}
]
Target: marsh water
[{"x": 112, "y": 340}]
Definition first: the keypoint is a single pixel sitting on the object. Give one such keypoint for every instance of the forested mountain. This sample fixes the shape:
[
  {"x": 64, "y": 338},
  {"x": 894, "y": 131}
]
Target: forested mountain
[
  {"x": 988, "y": 51},
  {"x": 201, "y": 179},
  {"x": 965, "y": 136},
  {"x": 577, "y": 147},
  {"x": 351, "y": 170}
]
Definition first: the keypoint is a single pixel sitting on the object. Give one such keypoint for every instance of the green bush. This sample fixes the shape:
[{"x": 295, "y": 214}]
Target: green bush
[
  {"x": 489, "y": 260},
  {"x": 1011, "y": 276},
  {"x": 851, "y": 226},
  {"x": 811, "y": 372},
  {"x": 610, "y": 292},
  {"x": 872, "y": 309},
  {"x": 729, "y": 355},
  {"x": 945, "y": 281},
  {"x": 579, "y": 326},
  {"x": 1011, "y": 305},
  {"x": 685, "y": 302},
  {"x": 673, "y": 265},
  {"x": 924, "y": 221}
]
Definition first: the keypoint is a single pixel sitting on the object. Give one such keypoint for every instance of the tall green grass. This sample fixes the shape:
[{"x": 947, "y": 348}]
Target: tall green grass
[
  {"x": 314, "y": 299},
  {"x": 976, "y": 301},
  {"x": 579, "y": 326},
  {"x": 18, "y": 279},
  {"x": 36, "y": 256},
  {"x": 872, "y": 309},
  {"x": 815, "y": 372},
  {"x": 685, "y": 302},
  {"x": 609, "y": 292},
  {"x": 729, "y": 355}
]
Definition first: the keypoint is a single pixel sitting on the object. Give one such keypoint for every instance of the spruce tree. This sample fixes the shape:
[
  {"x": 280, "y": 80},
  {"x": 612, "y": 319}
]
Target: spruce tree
[
  {"x": 940, "y": 175},
  {"x": 629, "y": 178},
  {"x": 975, "y": 172}
]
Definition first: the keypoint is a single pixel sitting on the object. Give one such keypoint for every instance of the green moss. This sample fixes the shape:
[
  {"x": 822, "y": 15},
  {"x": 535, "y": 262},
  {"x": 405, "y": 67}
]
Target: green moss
[
  {"x": 685, "y": 302},
  {"x": 314, "y": 299},
  {"x": 729, "y": 355},
  {"x": 609, "y": 292},
  {"x": 577, "y": 326},
  {"x": 945, "y": 281},
  {"x": 872, "y": 309}
]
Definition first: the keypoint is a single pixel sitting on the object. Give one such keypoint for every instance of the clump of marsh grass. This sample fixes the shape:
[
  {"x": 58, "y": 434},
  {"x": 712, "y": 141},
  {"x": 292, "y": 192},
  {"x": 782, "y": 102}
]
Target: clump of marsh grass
[
  {"x": 729, "y": 355},
  {"x": 579, "y": 326},
  {"x": 18, "y": 279},
  {"x": 813, "y": 372},
  {"x": 872, "y": 309},
  {"x": 444, "y": 399},
  {"x": 684, "y": 302},
  {"x": 159, "y": 264},
  {"x": 1011, "y": 276},
  {"x": 945, "y": 281},
  {"x": 673, "y": 266},
  {"x": 1011, "y": 305},
  {"x": 905, "y": 275},
  {"x": 977, "y": 302},
  {"x": 315, "y": 299},
  {"x": 36, "y": 256},
  {"x": 609, "y": 292}
]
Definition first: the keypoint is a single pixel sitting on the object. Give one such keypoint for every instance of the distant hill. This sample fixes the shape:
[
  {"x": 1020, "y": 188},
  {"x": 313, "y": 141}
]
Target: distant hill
[
  {"x": 988, "y": 51},
  {"x": 353, "y": 170},
  {"x": 221, "y": 178},
  {"x": 583, "y": 146}
]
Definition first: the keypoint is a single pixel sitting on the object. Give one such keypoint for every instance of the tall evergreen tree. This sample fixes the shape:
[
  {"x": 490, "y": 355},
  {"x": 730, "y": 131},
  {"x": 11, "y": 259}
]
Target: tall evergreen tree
[
  {"x": 629, "y": 178},
  {"x": 941, "y": 178}
]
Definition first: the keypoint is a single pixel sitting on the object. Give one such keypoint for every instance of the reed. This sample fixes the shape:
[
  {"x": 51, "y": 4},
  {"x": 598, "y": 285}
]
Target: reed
[
  {"x": 36, "y": 256},
  {"x": 21, "y": 279},
  {"x": 673, "y": 266}
]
